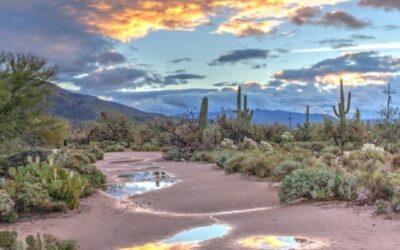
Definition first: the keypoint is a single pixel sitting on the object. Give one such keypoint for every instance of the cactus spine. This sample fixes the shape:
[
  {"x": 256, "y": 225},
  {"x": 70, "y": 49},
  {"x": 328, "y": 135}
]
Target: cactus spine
[
  {"x": 341, "y": 112},
  {"x": 203, "y": 116}
]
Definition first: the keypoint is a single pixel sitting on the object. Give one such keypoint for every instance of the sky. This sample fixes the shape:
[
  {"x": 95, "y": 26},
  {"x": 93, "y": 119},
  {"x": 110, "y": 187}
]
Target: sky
[{"x": 165, "y": 55}]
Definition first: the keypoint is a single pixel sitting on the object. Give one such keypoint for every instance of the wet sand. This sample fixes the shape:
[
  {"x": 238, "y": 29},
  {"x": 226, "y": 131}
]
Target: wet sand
[{"x": 206, "y": 195}]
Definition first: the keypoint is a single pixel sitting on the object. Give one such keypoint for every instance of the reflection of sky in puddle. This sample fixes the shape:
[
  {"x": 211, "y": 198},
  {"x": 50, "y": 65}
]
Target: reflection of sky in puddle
[
  {"x": 199, "y": 234},
  {"x": 139, "y": 183},
  {"x": 188, "y": 239},
  {"x": 270, "y": 242}
]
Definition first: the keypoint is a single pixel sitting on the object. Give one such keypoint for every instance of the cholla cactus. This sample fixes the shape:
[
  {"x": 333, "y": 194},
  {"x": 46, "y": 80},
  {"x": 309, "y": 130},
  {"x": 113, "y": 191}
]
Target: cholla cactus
[
  {"x": 287, "y": 137},
  {"x": 6, "y": 203},
  {"x": 248, "y": 144},
  {"x": 372, "y": 147},
  {"x": 228, "y": 144},
  {"x": 266, "y": 147}
]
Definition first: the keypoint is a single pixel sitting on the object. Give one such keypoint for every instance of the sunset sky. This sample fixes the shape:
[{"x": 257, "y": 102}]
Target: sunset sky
[{"x": 165, "y": 55}]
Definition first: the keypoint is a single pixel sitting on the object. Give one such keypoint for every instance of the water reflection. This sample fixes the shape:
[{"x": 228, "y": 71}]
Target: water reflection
[
  {"x": 140, "y": 182},
  {"x": 271, "y": 242},
  {"x": 187, "y": 239}
]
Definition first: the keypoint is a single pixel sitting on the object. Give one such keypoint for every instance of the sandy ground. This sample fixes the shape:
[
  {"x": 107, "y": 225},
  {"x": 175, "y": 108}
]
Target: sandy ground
[{"x": 206, "y": 195}]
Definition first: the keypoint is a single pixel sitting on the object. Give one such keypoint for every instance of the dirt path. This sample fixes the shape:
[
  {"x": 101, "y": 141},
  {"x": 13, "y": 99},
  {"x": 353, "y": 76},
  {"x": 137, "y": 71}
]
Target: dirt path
[{"x": 204, "y": 196}]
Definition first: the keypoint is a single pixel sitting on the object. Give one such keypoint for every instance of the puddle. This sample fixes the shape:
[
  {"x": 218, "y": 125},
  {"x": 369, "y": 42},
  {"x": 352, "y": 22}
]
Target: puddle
[
  {"x": 140, "y": 182},
  {"x": 187, "y": 239},
  {"x": 272, "y": 242},
  {"x": 125, "y": 161}
]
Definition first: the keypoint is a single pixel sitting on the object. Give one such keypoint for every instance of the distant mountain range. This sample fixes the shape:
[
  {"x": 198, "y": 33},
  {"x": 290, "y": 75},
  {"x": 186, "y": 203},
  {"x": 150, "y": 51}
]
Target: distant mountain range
[
  {"x": 262, "y": 116},
  {"x": 77, "y": 107}
]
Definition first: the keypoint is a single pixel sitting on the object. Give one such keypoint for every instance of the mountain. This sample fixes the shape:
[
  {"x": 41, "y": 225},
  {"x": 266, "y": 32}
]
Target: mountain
[
  {"x": 263, "y": 116},
  {"x": 279, "y": 116},
  {"x": 77, "y": 107}
]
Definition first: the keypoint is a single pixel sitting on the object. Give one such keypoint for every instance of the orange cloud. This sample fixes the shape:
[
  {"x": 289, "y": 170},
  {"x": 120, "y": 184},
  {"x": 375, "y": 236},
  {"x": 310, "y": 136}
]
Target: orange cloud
[{"x": 126, "y": 20}]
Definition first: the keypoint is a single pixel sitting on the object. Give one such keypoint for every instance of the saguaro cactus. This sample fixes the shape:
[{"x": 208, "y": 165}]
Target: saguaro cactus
[
  {"x": 341, "y": 112},
  {"x": 239, "y": 101},
  {"x": 244, "y": 113},
  {"x": 307, "y": 123},
  {"x": 203, "y": 116},
  {"x": 306, "y": 127},
  {"x": 358, "y": 116}
]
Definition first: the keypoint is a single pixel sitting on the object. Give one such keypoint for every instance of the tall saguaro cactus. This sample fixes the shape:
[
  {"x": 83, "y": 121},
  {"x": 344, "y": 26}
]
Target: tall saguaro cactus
[
  {"x": 203, "y": 116},
  {"x": 307, "y": 123},
  {"x": 239, "y": 101},
  {"x": 358, "y": 116},
  {"x": 306, "y": 127},
  {"x": 341, "y": 112},
  {"x": 244, "y": 113}
]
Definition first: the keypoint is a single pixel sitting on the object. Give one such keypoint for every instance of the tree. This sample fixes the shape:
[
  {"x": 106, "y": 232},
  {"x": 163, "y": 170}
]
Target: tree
[
  {"x": 112, "y": 126},
  {"x": 24, "y": 86}
]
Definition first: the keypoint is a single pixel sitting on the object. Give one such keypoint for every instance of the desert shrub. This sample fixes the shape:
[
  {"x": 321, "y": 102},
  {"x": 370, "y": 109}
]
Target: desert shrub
[
  {"x": 332, "y": 150},
  {"x": 255, "y": 164},
  {"x": 248, "y": 144},
  {"x": 374, "y": 180},
  {"x": 372, "y": 147},
  {"x": 206, "y": 156},
  {"x": 358, "y": 156},
  {"x": 222, "y": 157},
  {"x": 94, "y": 149},
  {"x": 329, "y": 159},
  {"x": 315, "y": 184},
  {"x": 175, "y": 154},
  {"x": 235, "y": 163},
  {"x": 7, "y": 213},
  {"x": 284, "y": 168},
  {"x": 116, "y": 147},
  {"x": 396, "y": 161},
  {"x": 44, "y": 188},
  {"x": 228, "y": 144},
  {"x": 266, "y": 147},
  {"x": 393, "y": 148},
  {"x": 314, "y": 146},
  {"x": 48, "y": 241},
  {"x": 8, "y": 240},
  {"x": 287, "y": 137}
]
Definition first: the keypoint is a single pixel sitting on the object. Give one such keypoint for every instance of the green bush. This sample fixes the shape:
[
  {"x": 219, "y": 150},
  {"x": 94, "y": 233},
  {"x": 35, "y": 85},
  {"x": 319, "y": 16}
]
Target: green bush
[
  {"x": 396, "y": 161},
  {"x": 94, "y": 149},
  {"x": 284, "y": 168},
  {"x": 7, "y": 213},
  {"x": 8, "y": 240},
  {"x": 255, "y": 164},
  {"x": 315, "y": 184},
  {"x": 114, "y": 148}
]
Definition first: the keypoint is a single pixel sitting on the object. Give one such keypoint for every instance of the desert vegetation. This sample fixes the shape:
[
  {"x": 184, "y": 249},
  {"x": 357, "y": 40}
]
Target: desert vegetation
[
  {"x": 41, "y": 169},
  {"x": 342, "y": 158}
]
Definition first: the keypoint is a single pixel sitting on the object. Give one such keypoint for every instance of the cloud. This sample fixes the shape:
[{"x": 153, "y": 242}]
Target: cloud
[
  {"x": 44, "y": 28},
  {"x": 182, "y": 78},
  {"x": 362, "y": 37},
  {"x": 386, "y": 4},
  {"x": 126, "y": 20},
  {"x": 360, "y": 47},
  {"x": 337, "y": 18},
  {"x": 110, "y": 57},
  {"x": 343, "y": 19},
  {"x": 179, "y": 60},
  {"x": 273, "y": 96},
  {"x": 338, "y": 43},
  {"x": 236, "y": 56},
  {"x": 356, "y": 69}
]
